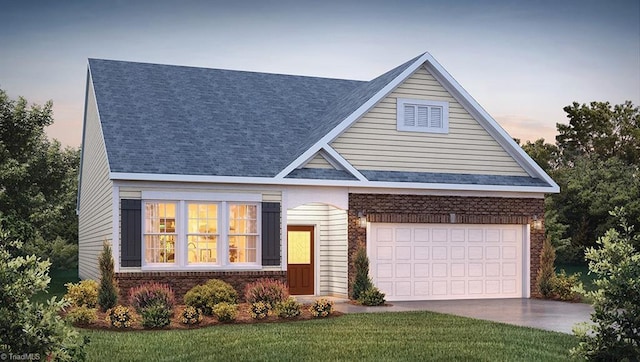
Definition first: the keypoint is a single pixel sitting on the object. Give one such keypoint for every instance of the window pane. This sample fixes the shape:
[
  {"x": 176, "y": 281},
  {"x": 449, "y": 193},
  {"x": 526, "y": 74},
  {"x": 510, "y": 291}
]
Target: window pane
[
  {"x": 159, "y": 232},
  {"x": 243, "y": 227},
  {"x": 160, "y": 248},
  {"x": 202, "y": 234},
  {"x": 299, "y": 247}
]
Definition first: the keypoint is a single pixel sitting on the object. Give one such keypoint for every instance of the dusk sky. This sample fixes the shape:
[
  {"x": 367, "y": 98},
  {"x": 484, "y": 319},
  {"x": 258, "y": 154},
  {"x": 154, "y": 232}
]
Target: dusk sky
[{"x": 523, "y": 61}]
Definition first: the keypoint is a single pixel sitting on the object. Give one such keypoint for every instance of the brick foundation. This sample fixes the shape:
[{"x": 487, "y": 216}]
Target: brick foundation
[
  {"x": 439, "y": 209},
  {"x": 181, "y": 282}
]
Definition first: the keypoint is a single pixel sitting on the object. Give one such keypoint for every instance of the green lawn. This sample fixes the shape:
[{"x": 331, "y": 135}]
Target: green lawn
[
  {"x": 56, "y": 288},
  {"x": 376, "y": 336}
]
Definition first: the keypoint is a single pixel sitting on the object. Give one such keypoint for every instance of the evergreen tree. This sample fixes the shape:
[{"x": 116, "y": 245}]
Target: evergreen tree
[{"x": 108, "y": 292}]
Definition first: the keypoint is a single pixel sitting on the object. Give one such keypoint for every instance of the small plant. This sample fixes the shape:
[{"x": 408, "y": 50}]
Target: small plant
[
  {"x": 225, "y": 312},
  {"x": 156, "y": 316},
  {"x": 151, "y": 294},
  {"x": 372, "y": 297},
  {"x": 120, "y": 317},
  {"x": 270, "y": 291},
  {"x": 108, "y": 292},
  {"x": 82, "y": 315},
  {"x": 83, "y": 293},
  {"x": 361, "y": 281},
  {"x": 207, "y": 295},
  {"x": 289, "y": 308},
  {"x": 191, "y": 315},
  {"x": 321, "y": 308},
  {"x": 564, "y": 286},
  {"x": 547, "y": 271},
  {"x": 259, "y": 310}
]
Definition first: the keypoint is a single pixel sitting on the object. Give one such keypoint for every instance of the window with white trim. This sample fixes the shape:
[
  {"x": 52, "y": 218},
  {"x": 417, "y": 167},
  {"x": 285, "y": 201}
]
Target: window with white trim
[
  {"x": 189, "y": 234},
  {"x": 417, "y": 115}
]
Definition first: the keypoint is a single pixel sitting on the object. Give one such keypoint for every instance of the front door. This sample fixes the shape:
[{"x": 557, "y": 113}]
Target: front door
[{"x": 300, "y": 260}]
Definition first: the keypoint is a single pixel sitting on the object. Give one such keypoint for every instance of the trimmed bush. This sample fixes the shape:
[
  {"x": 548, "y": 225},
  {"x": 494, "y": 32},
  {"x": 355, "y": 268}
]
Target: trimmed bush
[
  {"x": 266, "y": 290},
  {"x": 108, "y": 292},
  {"x": 207, "y": 295},
  {"x": 372, "y": 297},
  {"x": 259, "y": 310},
  {"x": 120, "y": 317},
  {"x": 225, "y": 312},
  {"x": 82, "y": 315},
  {"x": 151, "y": 294},
  {"x": 83, "y": 293},
  {"x": 191, "y": 315},
  {"x": 361, "y": 281},
  {"x": 321, "y": 308},
  {"x": 290, "y": 308},
  {"x": 156, "y": 316}
]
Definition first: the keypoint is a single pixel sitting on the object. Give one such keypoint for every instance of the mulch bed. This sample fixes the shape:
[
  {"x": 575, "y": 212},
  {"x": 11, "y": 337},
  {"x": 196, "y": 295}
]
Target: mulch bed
[{"x": 244, "y": 317}]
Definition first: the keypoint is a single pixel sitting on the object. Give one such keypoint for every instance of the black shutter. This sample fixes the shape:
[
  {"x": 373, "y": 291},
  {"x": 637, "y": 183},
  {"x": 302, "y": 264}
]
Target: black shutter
[
  {"x": 131, "y": 233},
  {"x": 270, "y": 233}
]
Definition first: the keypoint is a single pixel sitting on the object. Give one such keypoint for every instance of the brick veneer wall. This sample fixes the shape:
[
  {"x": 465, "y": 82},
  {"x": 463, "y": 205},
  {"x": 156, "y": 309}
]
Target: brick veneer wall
[
  {"x": 181, "y": 282},
  {"x": 439, "y": 209}
]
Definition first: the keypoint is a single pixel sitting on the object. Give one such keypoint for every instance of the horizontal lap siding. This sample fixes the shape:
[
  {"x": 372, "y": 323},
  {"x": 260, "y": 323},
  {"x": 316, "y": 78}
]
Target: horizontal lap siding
[
  {"x": 318, "y": 162},
  {"x": 331, "y": 244},
  {"x": 373, "y": 143},
  {"x": 95, "y": 217}
]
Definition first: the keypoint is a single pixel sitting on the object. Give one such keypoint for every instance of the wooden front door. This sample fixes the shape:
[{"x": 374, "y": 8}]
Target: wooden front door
[{"x": 300, "y": 260}]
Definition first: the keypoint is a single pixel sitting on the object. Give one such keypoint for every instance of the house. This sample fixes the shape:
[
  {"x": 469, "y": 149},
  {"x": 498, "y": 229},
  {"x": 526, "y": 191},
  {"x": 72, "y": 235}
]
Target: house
[{"x": 196, "y": 173}]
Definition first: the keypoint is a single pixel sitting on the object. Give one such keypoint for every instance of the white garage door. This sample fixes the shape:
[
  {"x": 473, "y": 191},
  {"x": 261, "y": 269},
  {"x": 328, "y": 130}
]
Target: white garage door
[{"x": 443, "y": 261}]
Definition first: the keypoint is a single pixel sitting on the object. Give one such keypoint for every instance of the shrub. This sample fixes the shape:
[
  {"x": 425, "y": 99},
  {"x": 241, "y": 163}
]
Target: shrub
[
  {"x": 270, "y": 291},
  {"x": 564, "y": 286},
  {"x": 156, "y": 316},
  {"x": 321, "y": 308},
  {"x": 151, "y": 294},
  {"x": 209, "y": 294},
  {"x": 547, "y": 271},
  {"x": 82, "y": 315},
  {"x": 83, "y": 293},
  {"x": 613, "y": 336},
  {"x": 191, "y": 315},
  {"x": 372, "y": 297},
  {"x": 225, "y": 312},
  {"x": 108, "y": 292},
  {"x": 289, "y": 308},
  {"x": 361, "y": 281},
  {"x": 120, "y": 317},
  {"x": 31, "y": 327},
  {"x": 259, "y": 310}
]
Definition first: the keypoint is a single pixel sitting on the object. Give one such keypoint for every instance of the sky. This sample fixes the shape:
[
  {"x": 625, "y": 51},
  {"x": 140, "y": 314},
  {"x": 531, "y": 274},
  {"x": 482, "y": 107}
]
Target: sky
[{"x": 522, "y": 61}]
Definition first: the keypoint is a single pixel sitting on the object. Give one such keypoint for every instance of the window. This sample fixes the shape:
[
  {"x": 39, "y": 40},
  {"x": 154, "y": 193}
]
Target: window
[
  {"x": 160, "y": 232},
  {"x": 202, "y": 233},
  {"x": 416, "y": 115},
  {"x": 195, "y": 234},
  {"x": 243, "y": 233}
]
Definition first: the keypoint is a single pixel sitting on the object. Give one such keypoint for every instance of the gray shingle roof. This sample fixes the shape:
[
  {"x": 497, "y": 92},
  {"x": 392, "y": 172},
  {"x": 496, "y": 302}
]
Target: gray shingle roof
[
  {"x": 452, "y": 178},
  {"x": 164, "y": 119},
  {"x": 321, "y": 174}
]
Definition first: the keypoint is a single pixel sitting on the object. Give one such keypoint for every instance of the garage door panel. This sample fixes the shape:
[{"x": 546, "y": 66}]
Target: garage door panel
[{"x": 439, "y": 261}]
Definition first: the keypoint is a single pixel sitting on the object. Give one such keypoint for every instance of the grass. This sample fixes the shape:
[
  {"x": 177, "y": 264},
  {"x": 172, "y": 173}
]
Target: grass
[
  {"x": 56, "y": 288},
  {"x": 375, "y": 336}
]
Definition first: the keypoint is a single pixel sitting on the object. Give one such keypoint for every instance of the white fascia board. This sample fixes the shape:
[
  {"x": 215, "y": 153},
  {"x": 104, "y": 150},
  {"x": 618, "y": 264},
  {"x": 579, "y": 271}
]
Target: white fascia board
[
  {"x": 116, "y": 176},
  {"x": 494, "y": 129},
  {"x": 347, "y": 122},
  {"x": 343, "y": 162}
]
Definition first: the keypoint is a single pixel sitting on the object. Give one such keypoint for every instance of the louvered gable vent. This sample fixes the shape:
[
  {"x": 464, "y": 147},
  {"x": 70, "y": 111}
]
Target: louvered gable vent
[{"x": 416, "y": 115}]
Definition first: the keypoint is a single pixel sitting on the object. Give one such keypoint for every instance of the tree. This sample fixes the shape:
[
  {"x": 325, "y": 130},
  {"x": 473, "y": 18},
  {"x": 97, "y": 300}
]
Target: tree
[
  {"x": 614, "y": 336},
  {"x": 547, "y": 271},
  {"x": 361, "y": 281},
  {"x": 38, "y": 183},
  {"x": 27, "y": 327},
  {"x": 108, "y": 292},
  {"x": 545, "y": 154}
]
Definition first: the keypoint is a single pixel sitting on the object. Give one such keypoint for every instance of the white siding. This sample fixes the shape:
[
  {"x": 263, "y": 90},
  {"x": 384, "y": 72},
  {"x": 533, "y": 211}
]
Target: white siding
[
  {"x": 331, "y": 244},
  {"x": 95, "y": 209},
  {"x": 318, "y": 161},
  {"x": 373, "y": 143}
]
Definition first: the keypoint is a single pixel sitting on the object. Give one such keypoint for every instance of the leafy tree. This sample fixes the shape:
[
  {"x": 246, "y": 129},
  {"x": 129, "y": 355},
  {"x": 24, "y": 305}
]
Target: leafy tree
[
  {"x": 545, "y": 154},
  {"x": 38, "y": 182},
  {"x": 108, "y": 292},
  {"x": 28, "y": 327},
  {"x": 616, "y": 263}
]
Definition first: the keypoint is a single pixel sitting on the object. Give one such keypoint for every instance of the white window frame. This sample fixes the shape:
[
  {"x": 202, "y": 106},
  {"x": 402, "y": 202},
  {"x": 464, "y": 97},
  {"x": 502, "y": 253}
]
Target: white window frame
[
  {"x": 402, "y": 102},
  {"x": 181, "y": 248}
]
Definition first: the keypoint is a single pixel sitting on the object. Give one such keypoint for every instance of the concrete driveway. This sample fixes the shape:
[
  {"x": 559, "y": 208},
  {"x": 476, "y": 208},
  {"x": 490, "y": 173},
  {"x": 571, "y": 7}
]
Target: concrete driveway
[{"x": 542, "y": 314}]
